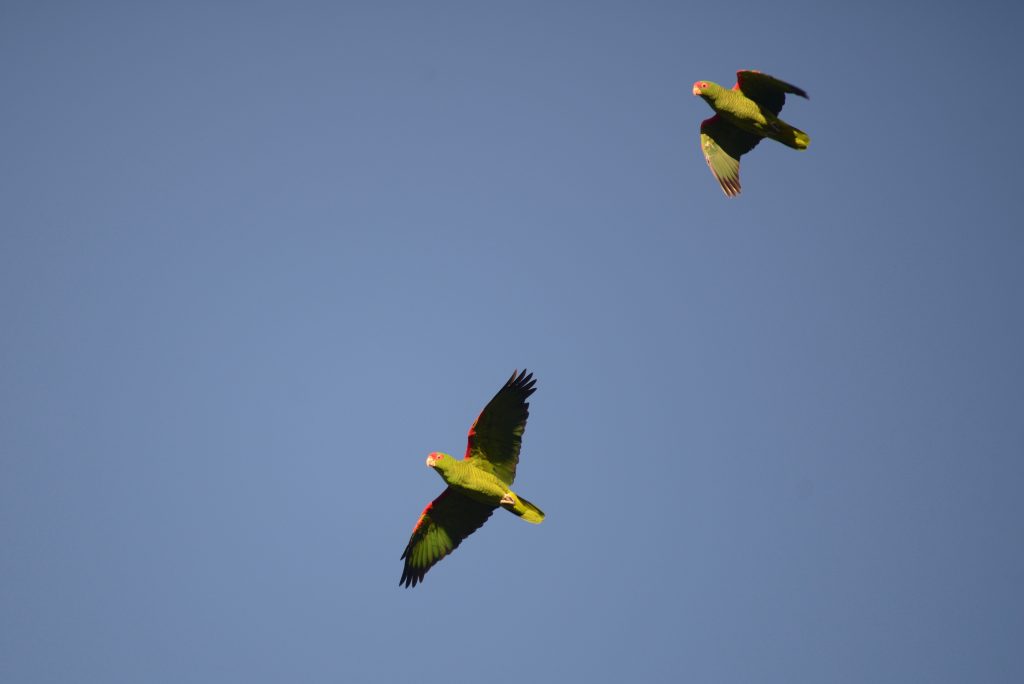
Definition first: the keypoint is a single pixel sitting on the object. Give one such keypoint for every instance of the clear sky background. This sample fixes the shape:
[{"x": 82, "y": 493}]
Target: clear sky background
[{"x": 258, "y": 259}]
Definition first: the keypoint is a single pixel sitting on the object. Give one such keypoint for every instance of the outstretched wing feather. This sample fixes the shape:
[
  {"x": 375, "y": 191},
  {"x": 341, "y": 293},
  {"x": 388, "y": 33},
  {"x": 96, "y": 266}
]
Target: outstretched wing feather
[
  {"x": 496, "y": 436},
  {"x": 723, "y": 144},
  {"x": 767, "y": 91},
  {"x": 442, "y": 526}
]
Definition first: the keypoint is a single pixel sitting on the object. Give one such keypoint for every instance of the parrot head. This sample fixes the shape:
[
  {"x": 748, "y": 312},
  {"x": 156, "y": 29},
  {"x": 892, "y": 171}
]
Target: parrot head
[
  {"x": 435, "y": 457},
  {"x": 706, "y": 89}
]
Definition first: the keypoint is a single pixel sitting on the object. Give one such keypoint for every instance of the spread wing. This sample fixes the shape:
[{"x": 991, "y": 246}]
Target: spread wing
[
  {"x": 442, "y": 526},
  {"x": 765, "y": 90},
  {"x": 497, "y": 434},
  {"x": 723, "y": 144}
]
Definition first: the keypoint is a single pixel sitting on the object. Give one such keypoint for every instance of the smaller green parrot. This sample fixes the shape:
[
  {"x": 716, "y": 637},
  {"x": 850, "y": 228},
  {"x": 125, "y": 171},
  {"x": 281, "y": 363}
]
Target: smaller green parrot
[
  {"x": 477, "y": 484},
  {"x": 744, "y": 115}
]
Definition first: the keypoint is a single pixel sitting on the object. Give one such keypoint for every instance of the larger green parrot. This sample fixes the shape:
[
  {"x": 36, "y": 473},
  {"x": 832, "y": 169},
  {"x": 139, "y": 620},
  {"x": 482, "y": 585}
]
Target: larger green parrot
[
  {"x": 477, "y": 484},
  {"x": 744, "y": 115}
]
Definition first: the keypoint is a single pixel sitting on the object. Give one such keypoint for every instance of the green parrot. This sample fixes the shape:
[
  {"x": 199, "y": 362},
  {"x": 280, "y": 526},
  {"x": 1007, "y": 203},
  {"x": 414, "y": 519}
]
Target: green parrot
[
  {"x": 477, "y": 484},
  {"x": 744, "y": 115}
]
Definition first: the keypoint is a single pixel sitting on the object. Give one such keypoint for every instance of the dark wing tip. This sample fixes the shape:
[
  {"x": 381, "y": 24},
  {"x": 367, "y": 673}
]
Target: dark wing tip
[
  {"x": 767, "y": 80},
  {"x": 523, "y": 382},
  {"x": 411, "y": 576}
]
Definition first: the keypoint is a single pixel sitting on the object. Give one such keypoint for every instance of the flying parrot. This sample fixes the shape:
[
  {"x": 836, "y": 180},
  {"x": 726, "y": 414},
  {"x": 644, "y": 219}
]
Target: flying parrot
[
  {"x": 744, "y": 115},
  {"x": 477, "y": 484}
]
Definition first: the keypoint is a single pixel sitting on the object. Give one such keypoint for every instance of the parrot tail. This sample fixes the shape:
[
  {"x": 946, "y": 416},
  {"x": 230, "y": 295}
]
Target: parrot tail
[
  {"x": 524, "y": 509},
  {"x": 794, "y": 137}
]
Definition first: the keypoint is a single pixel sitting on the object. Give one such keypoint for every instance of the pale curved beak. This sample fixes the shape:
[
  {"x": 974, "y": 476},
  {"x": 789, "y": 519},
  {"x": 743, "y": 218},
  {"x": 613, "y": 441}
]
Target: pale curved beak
[
  {"x": 429, "y": 463},
  {"x": 696, "y": 90}
]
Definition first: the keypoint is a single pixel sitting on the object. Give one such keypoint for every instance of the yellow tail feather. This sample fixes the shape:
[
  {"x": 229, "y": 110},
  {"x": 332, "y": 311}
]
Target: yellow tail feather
[
  {"x": 524, "y": 509},
  {"x": 779, "y": 130},
  {"x": 800, "y": 139}
]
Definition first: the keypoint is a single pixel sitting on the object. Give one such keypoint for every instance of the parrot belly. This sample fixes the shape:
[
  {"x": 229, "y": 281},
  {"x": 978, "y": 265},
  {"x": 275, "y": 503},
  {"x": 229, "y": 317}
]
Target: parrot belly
[
  {"x": 477, "y": 485},
  {"x": 488, "y": 489},
  {"x": 767, "y": 125}
]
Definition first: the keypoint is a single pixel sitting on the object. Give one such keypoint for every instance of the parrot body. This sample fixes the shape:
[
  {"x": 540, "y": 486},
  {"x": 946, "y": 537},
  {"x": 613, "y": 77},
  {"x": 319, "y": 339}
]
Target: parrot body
[
  {"x": 747, "y": 115},
  {"x": 482, "y": 486},
  {"x": 743, "y": 116},
  {"x": 477, "y": 485}
]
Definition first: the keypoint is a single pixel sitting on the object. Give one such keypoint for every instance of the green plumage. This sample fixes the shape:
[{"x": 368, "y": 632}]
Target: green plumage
[
  {"x": 477, "y": 484},
  {"x": 743, "y": 116},
  {"x": 470, "y": 479}
]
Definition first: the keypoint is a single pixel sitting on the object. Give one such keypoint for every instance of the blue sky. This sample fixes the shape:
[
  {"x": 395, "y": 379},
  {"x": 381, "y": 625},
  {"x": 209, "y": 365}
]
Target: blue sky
[{"x": 257, "y": 260}]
